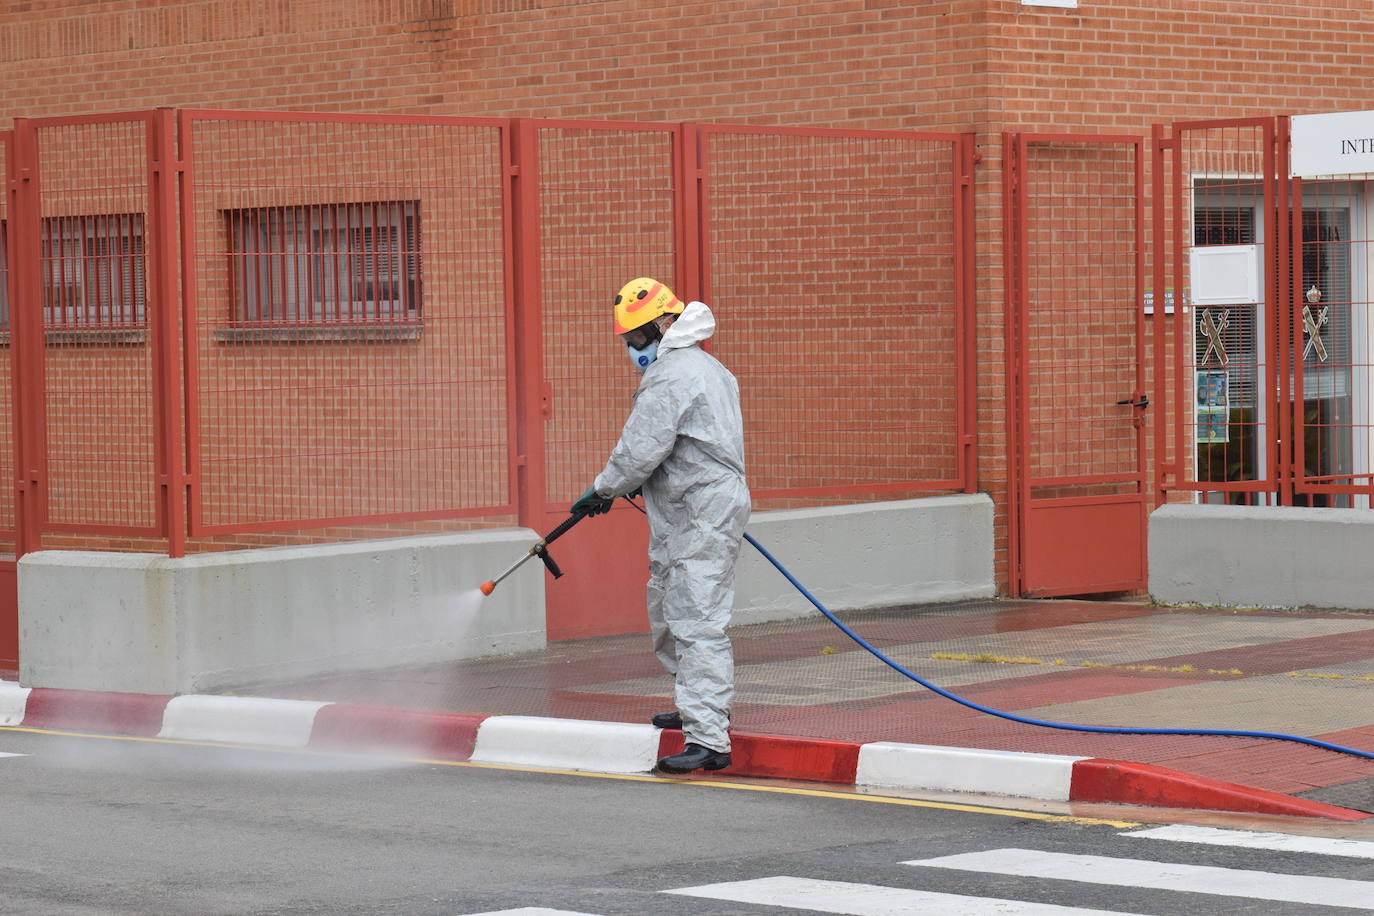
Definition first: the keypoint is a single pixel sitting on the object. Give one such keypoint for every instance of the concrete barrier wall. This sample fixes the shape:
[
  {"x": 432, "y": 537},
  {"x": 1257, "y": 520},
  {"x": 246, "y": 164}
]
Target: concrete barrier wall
[
  {"x": 139, "y": 623},
  {"x": 1262, "y": 556},
  {"x": 149, "y": 624},
  {"x": 913, "y": 551}
]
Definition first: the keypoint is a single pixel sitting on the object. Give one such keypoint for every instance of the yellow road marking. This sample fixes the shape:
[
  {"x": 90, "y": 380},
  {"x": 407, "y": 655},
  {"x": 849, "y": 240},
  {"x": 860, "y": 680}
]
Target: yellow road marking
[{"x": 625, "y": 777}]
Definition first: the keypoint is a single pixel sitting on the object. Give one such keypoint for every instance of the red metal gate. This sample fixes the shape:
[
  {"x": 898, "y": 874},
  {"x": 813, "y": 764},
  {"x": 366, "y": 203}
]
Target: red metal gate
[
  {"x": 1224, "y": 355},
  {"x": 1075, "y": 363},
  {"x": 1268, "y": 369}
]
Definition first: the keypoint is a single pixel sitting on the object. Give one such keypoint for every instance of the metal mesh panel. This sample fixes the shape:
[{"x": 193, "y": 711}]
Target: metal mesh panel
[
  {"x": 606, "y": 217},
  {"x": 1223, "y": 375},
  {"x": 350, "y": 321},
  {"x": 1331, "y": 393},
  {"x": 832, "y": 272},
  {"x": 1081, "y": 311},
  {"x": 98, "y": 363}
]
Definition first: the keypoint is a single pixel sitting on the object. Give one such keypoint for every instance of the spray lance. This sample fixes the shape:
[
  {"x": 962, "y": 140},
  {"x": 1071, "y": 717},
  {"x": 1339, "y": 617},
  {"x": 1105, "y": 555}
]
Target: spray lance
[{"x": 541, "y": 550}]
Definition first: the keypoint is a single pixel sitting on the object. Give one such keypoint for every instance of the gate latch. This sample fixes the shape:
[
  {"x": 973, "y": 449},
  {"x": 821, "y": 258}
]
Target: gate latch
[{"x": 1142, "y": 403}]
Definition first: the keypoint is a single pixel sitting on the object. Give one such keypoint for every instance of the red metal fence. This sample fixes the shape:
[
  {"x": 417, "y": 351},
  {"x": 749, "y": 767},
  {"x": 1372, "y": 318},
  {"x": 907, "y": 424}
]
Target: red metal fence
[
  {"x": 240, "y": 328},
  {"x": 1221, "y": 352},
  {"x": 1268, "y": 367},
  {"x": 845, "y": 258}
]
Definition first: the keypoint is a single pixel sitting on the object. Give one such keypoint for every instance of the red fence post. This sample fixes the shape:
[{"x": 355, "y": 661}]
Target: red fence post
[
  {"x": 190, "y": 361},
  {"x": 1159, "y": 244},
  {"x": 164, "y": 177},
  {"x": 1287, "y": 252},
  {"x": 525, "y": 331},
  {"x": 965, "y": 224},
  {"x": 26, "y": 338},
  {"x": 1012, "y": 232},
  {"x": 693, "y": 249}
]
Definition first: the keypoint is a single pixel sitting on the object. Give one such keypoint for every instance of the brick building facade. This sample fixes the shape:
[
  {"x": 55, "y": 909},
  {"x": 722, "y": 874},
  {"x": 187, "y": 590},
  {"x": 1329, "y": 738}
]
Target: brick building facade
[{"x": 980, "y": 66}]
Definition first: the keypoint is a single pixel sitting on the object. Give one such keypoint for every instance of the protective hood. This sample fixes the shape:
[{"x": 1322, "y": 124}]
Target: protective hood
[{"x": 695, "y": 324}]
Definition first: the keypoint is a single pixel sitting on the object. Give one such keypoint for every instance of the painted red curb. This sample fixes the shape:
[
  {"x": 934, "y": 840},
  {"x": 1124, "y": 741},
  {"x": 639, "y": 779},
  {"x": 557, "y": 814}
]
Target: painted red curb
[
  {"x": 780, "y": 757},
  {"x": 453, "y": 736},
  {"x": 344, "y": 727},
  {"x": 1123, "y": 783},
  {"x": 135, "y": 714}
]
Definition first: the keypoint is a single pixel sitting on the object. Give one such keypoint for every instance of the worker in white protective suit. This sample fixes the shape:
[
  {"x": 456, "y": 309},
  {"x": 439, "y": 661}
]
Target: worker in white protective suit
[{"x": 683, "y": 445}]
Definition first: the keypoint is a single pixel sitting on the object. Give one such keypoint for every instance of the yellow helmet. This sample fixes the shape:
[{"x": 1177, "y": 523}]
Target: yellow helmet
[{"x": 641, "y": 301}]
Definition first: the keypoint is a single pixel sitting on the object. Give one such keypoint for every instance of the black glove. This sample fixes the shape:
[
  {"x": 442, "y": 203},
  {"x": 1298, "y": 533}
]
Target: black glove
[{"x": 591, "y": 504}]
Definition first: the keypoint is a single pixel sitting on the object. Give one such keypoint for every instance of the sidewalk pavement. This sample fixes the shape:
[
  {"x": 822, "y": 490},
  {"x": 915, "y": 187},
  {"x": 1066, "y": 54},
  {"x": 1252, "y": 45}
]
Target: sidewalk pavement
[
  {"x": 811, "y": 705},
  {"x": 1126, "y": 663}
]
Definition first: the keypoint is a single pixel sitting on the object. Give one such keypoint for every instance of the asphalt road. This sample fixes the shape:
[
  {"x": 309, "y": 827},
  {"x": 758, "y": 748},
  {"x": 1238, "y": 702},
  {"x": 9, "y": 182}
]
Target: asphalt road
[{"x": 104, "y": 826}]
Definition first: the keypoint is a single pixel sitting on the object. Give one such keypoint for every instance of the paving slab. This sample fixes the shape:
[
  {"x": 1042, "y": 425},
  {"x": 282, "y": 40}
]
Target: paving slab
[
  {"x": 1358, "y": 795},
  {"x": 1269, "y": 703}
]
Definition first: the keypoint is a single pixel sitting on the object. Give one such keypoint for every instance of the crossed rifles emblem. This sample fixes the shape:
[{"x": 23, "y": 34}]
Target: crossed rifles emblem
[
  {"x": 1312, "y": 325},
  {"x": 1211, "y": 329}
]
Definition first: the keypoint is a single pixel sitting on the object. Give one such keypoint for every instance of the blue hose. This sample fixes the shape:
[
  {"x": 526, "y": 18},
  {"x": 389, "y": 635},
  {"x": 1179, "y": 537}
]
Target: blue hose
[{"x": 1095, "y": 729}]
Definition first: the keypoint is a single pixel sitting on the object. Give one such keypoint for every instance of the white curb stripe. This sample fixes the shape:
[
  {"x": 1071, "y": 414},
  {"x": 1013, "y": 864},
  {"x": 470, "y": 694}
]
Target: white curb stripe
[
  {"x": 531, "y": 911},
  {"x": 240, "y": 720},
  {"x": 568, "y": 744},
  {"x": 1247, "y": 839},
  {"x": 14, "y": 700},
  {"x": 870, "y": 900},
  {"x": 1163, "y": 876},
  {"x": 7, "y": 754},
  {"x": 961, "y": 769}
]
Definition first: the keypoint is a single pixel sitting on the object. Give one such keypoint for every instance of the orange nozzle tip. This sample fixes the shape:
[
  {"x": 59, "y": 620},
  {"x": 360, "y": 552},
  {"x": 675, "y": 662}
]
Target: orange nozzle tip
[{"x": 487, "y": 588}]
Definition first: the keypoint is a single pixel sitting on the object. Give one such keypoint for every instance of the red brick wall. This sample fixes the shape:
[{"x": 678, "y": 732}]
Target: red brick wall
[
  {"x": 856, "y": 62},
  {"x": 984, "y": 65}
]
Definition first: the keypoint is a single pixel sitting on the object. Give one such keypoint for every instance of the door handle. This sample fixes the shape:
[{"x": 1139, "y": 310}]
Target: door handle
[{"x": 1142, "y": 403}]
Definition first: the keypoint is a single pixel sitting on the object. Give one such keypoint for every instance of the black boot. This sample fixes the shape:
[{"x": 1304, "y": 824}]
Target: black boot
[
  {"x": 694, "y": 757},
  {"x": 670, "y": 719}
]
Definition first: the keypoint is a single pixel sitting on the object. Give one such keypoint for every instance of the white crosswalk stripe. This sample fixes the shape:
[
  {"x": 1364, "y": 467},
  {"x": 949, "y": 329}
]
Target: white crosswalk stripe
[
  {"x": 868, "y": 899},
  {"x": 1194, "y": 879},
  {"x": 4, "y": 754},
  {"x": 1246, "y": 839},
  {"x": 854, "y": 899}
]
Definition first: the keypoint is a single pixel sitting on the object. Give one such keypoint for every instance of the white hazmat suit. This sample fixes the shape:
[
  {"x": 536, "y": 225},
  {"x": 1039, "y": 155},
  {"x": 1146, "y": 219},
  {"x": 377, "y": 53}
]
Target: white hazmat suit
[{"x": 684, "y": 445}]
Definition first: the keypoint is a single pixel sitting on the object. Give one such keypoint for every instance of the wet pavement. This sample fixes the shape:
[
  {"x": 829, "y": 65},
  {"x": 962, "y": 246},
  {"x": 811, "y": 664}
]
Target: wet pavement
[{"x": 1119, "y": 663}]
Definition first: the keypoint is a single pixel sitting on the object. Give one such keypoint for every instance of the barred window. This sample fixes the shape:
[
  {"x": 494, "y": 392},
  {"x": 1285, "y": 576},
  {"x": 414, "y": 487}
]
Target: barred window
[
  {"x": 326, "y": 263},
  {"x": 92, "y": 271}
]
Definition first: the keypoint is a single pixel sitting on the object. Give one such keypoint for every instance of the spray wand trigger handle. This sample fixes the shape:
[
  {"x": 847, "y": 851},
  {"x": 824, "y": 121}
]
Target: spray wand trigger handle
[{"x": 542, "y": 552}]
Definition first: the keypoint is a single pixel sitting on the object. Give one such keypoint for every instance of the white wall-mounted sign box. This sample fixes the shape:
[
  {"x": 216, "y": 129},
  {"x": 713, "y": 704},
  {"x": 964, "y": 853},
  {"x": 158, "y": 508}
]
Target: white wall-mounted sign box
[
  {"x": 1063, "y": 4},
  {"x": 1225, "y": 274},
  {"x": 1340, "y": 143}
]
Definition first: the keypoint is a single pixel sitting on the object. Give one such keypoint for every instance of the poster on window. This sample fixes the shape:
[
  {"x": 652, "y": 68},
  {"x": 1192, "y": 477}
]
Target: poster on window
[{"x": 1213, "y": 406}]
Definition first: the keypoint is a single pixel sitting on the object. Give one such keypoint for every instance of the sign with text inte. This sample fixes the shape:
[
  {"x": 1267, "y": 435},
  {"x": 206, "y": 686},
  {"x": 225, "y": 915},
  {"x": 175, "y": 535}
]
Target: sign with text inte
[{"x": 1341, "y": 143}]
